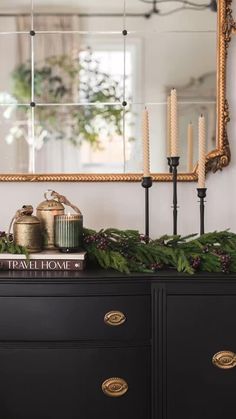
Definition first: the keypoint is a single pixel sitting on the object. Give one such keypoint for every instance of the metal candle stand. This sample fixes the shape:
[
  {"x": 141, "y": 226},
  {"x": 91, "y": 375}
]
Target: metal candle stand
[
  {"x": 174, "y": 164},
  {"x": 169, "y": 164},
  {"x": 201, "y": 192},
  {"x": 147, "y": 183}
]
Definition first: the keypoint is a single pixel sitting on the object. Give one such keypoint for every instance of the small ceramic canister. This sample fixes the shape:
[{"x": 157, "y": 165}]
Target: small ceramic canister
[{"x": 46, "y": 212}]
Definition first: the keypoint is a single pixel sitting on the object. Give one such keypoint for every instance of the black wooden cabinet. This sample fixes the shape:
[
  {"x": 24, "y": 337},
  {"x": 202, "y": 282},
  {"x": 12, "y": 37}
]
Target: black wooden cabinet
[
  {"x": 197, "y": 328},
  {"x": 194, "y": 319},
  {"x": 101, "y": 345}
]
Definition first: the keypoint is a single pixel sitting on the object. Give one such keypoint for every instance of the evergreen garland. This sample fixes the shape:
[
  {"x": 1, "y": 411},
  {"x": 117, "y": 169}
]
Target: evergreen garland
[
  {"x": 128, "y": 251},
  {"x": 7, "y": 245}
]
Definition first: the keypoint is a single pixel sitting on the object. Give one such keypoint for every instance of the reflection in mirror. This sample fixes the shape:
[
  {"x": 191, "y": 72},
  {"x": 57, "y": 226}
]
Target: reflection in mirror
[
  {"x": 90, "y": 82},
  {"x": 10, "y": 147},
  {"x": 76, "y": 138}
]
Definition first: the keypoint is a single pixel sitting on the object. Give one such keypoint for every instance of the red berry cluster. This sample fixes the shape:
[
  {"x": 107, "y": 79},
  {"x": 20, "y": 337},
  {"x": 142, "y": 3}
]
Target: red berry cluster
[
  {"x": 225, "y": 261},
  {"x": 98, "y": 239},
  {"x": 3, "y": 235},
  {"x": 156, "y": 267},
  {"x": 196, "y": 263}
]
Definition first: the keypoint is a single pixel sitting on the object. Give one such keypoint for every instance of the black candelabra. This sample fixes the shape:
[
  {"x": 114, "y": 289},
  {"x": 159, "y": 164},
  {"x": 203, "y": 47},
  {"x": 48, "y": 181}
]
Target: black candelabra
[
  {"x": 201, "y": 192},
  {"x": 174, "y": 162},
  {"x": 147, "y": 184}
]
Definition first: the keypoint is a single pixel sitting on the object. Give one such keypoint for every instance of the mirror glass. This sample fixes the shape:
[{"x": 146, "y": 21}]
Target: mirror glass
[{"x": 91, "y": 80}]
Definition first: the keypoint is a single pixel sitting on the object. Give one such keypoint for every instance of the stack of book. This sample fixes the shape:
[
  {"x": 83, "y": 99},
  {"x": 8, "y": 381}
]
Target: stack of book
[{"x": 44, "y": 261}]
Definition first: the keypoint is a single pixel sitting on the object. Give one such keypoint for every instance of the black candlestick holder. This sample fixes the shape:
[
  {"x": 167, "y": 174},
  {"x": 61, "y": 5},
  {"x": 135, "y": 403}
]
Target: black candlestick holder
[
  {"x": 147, "y": 184},
  {"x": 174, "y": 164},
  {"x": 169, "y": 164},
  {"x": 201, "y": 192}
]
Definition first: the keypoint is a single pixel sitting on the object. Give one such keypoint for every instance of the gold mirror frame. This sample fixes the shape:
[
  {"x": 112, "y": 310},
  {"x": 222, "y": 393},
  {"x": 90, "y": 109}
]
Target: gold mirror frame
[{"x": 216, "y": 159}]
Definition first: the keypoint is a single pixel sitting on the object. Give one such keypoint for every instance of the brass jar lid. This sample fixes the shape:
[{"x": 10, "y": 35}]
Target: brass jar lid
[
  {"x": 27, "y": 219},
  {"x": 50, "y": 204}
]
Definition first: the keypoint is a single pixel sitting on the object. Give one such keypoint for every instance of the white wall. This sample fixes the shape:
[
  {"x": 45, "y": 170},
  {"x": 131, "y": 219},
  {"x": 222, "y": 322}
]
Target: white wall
[{"x": 121, "y": 205}]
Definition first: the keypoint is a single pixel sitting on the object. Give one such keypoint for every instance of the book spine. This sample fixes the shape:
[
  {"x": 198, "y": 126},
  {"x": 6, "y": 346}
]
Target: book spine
[{"x": 41, "y": 265}]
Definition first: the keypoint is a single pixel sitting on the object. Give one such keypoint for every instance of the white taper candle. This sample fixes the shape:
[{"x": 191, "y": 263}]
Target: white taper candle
[
  {"x": 190, "y": 148},
  {"x": 146, "y": 147},
  {"x": 202, "y": 152},
  {"x": 174, "y": 124},
  {"x": 168, "y": 127}
]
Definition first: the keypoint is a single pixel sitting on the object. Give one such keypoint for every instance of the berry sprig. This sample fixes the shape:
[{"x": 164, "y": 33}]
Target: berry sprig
[
  {"x": 196, "y": 263},
  {"x": 155, "y": 267},
  {"x": 225, "y": 261},
  {"x": 99, "y": 240},
  {"x": 5, "y": 236}
]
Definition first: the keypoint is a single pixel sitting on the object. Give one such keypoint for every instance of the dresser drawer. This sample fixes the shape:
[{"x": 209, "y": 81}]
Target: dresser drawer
[
  {"x": 67, "y": 383},
  {"x": 74, "y": 318},
  {"x": 198, "y": 327}
]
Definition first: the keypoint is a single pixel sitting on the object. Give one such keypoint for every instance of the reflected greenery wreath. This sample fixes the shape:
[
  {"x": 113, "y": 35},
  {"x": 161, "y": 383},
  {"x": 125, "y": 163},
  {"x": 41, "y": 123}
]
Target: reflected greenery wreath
[{"x": 57, "y": 80}]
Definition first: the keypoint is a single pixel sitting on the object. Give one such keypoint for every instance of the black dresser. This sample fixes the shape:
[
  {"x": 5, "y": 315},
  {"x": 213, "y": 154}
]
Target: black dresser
[{"x": 100, "y": 345}]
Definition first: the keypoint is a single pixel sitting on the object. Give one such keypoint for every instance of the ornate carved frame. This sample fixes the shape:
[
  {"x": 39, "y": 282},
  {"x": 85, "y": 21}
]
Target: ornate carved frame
[{"x": 216, "y": 159}]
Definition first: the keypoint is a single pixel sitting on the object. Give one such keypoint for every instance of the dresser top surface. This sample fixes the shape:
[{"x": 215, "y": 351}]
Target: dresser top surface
[{"x": 111, "y": 275}]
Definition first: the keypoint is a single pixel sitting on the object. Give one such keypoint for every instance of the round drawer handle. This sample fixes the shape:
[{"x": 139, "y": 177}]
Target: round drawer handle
[
  {"x": 224, "y": 360},
  {"x": 114, "y": 318},
  {"x": 114, "y": 387}
]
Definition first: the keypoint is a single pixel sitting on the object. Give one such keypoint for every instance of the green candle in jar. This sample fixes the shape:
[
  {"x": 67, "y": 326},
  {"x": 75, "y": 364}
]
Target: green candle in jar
[{"x": 68, "y": 232}]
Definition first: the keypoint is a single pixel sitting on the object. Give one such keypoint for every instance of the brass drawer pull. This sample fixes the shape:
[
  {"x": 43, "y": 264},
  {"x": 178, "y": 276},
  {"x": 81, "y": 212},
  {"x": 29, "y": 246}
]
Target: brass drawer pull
[
  {"x": 224, "y": 360},
  {"x": 114, "y": 387},
  {"x": 114, "y": 318}
]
